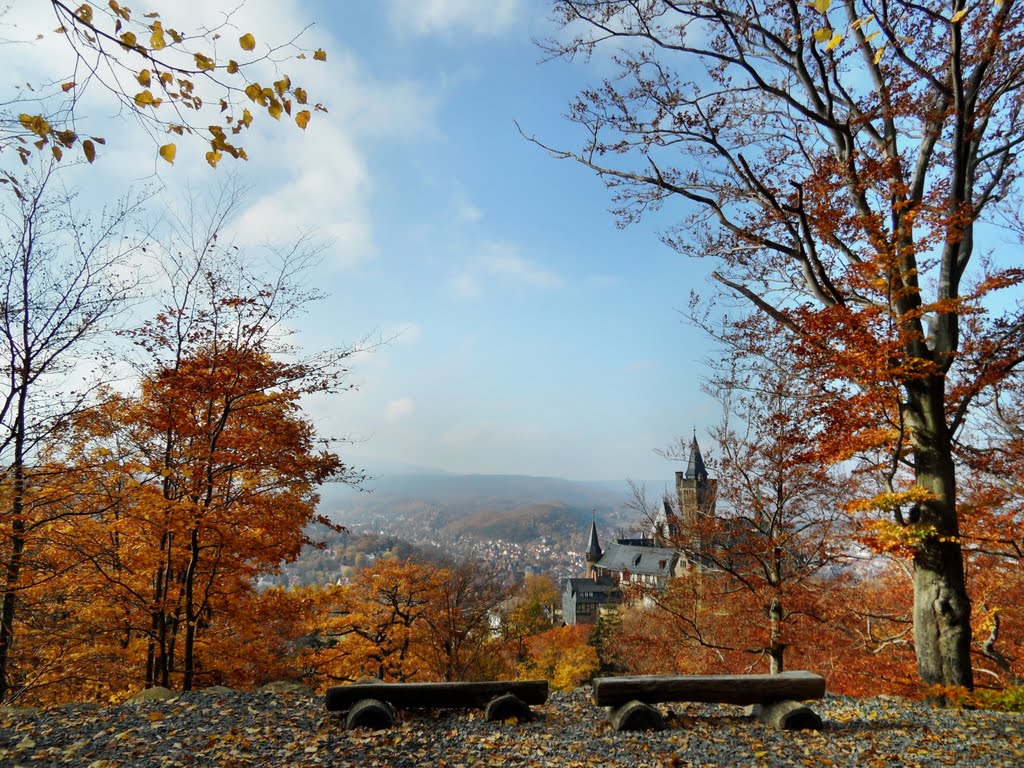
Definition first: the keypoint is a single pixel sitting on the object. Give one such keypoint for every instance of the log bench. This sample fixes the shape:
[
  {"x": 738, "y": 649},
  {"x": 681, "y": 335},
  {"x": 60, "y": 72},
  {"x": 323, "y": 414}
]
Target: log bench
[
  {"x": 774, "y": 699},
  {"x": 371, "y": 705}
]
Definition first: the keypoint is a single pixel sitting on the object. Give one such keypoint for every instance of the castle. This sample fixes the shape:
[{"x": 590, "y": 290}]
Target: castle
[{"x": 650, "y": 560}]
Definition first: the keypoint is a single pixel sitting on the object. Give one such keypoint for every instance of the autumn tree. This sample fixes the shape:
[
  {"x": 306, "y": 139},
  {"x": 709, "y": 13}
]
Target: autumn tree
[
  {"x": 780, "y": 524},
  {"x": 375, "y": 625},
  {"x": 458, "y": 643},
  {"x": 529, "y": 611},
  {"x": 839, "y": 161},
  {"x": 993, "y": 531},
  {"x": 212, "y": 467},
  {"x": 65, "y": 279},
  {"x": 563, "y": 656},
  {"x": 762, "y": 567},
  {"x": 176, "y": 76}
]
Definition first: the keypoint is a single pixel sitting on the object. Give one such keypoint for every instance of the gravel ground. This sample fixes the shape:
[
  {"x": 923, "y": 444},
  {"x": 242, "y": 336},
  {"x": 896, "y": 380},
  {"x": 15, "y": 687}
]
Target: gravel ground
[{"x": 234, "y": 729}]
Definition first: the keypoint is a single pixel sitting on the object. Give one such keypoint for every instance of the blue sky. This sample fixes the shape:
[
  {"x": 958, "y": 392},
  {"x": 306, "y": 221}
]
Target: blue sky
[{"x": 531, "y": 336}]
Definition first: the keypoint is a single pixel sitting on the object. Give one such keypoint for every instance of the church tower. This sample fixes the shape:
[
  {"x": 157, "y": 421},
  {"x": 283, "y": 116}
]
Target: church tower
[
  {"x": 696, "y": 492},
  {"x": 593, "y": 553}
]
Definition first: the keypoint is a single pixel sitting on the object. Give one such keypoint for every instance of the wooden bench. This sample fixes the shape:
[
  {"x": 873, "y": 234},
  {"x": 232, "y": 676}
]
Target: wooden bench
[
  {"x": 774, "y": 699},
  {"x": 370, "y": 705}
]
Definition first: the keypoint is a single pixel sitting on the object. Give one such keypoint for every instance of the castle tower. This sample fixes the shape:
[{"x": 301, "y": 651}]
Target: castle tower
[
  {"x": 593, "y": 553},
  {"x": 696, "y": 492}
]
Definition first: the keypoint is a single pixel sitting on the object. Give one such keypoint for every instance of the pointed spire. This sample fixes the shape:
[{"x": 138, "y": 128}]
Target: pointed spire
[
  {"x": 695, "y": 469},
  {"x": 593, "y": 546}
]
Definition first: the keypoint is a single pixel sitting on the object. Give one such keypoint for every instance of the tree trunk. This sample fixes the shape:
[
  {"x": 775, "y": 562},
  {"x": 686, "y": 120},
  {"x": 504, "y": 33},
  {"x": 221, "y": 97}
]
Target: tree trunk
[
  {"x": 942, "y": 609},
  {"x": 18, "y": 528},
  {"x": 190, "y": 611},
  {"x": 10, "y": 600},
  {"x": 776, "y": 648}
]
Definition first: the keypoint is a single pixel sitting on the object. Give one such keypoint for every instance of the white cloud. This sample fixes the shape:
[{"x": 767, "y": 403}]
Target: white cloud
[
  {"x": 485, "y": 19},
  {"x": 501, "y": 264},
  {"x": 503, "y": 260},
  {"x": 315, "y": 181},
  {"x": 400, "y": 409}
]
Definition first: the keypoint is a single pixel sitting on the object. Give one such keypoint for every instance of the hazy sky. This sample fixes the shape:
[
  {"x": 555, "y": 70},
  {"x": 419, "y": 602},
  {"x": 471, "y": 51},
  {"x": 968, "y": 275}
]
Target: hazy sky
[{"x": 534, "y": 337}]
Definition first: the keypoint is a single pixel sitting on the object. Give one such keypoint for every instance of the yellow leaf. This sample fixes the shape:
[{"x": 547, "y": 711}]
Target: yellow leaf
[
  {"x": 68, "y": 86},
  {"x": 247, "y": 41},
  {"x": 275, "y": 109},
  {"x": 300, "y": 95},
  {"x": 156, "y": 40},
  {"x": 124, "y": 13},
  {"x": 871, "y": 37},
  {"x": 35, "y": 123},
  {"x": 213, "y": 157},
  {"x": 254, "y": 92},
  {"x": 57, "y": 153},
  {"x": 302, "y": 119},
  {"x": 878, "y": 54},
  {"x": 862, "y": 21},
  {"x": 89, "y": 149},
  {"x": 144, "y": 77},
  {"x": 84, "y": 12},
  {"x": 204, "y": 63},
  {"x": 146, "y": 99},
  {"x": 822, "y": 5},
  {"x": 836, "y": 40},
  {"x": 823, "y": 34},
  {"x": 959, "y": 15},
  {"x": 320, "y": 55},
  {"x": 246, "y": 118},
  {"x": 167, "y": 152},
  {"x": 232, "y": 67},
  {"x": 283, "y": 85},
  {"x": 128, "y": 39}
]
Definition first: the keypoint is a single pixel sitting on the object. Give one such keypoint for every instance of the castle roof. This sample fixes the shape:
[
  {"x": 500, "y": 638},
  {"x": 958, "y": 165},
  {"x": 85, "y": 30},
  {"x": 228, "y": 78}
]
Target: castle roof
[
  {"x": 641, "y": 560},
  {"x": 593, "y": 547},
  {"x": 695, "y": 469}
]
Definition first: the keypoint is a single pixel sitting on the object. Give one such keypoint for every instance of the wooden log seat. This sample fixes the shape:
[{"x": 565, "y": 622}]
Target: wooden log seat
[
  {"x": 774, "y": 697},
  {"x": 502, "y": 700}
]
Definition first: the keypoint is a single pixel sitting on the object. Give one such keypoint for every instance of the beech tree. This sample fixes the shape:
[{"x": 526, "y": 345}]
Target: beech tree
[
  {"x": 174, "y": 80},
  {"x": 839, "y": 161},
  {"x": 63, "y": 279},
  {"x": 206, "y": 477}
]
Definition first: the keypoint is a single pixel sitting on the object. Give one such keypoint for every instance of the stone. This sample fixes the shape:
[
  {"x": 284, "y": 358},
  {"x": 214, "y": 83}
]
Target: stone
[
  {"x": 636, "y": 716},
  {"x": 507, "y": 707},
  {"x": 788, "y": 715},
  {"x": 156, "y": 693},
  {"x": 374, "y": 714}
]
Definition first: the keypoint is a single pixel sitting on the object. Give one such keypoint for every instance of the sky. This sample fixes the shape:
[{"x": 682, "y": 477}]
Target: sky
[{"x": 527, "y": 333}]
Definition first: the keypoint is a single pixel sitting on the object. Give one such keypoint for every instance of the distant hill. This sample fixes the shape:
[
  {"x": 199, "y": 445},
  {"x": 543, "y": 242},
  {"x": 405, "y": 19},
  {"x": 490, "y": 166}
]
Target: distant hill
[
  {"x": 523, "y": 524},
  {"x": 515, "y": 523},
  {"x": 448, "y": 498}
]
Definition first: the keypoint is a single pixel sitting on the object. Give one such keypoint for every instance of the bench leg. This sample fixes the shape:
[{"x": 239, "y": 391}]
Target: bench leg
[
  {"x": 636, "y": 716},
  {"x": 787, "y": 715},
  {"x": 507, "y": 707},
  {"x": 374, "y": 714}
]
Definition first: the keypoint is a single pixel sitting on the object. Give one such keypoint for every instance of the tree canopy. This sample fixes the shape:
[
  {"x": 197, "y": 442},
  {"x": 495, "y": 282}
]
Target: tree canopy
[
  {"x": 839, "y": 161},
  {"x": 177, "y": 78}
]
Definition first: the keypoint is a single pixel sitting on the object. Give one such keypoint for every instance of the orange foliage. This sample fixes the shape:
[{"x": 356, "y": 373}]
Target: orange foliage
[{"x": 563, "y": 656}]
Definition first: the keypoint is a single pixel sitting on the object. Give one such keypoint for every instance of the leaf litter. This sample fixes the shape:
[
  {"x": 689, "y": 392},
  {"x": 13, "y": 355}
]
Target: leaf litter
[{"x": 261, "y": 729}]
